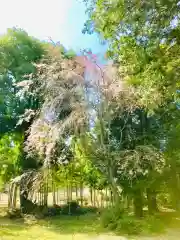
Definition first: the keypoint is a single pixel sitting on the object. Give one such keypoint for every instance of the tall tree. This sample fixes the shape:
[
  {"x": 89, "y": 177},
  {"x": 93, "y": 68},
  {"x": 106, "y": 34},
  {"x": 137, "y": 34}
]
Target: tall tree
[
  {"x": 144, "y": 39},
  {"x": 18, "y": 52}
]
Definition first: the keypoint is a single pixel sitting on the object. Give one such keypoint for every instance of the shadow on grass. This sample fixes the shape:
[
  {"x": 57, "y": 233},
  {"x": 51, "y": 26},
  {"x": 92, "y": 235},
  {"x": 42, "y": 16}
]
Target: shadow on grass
[
  {"x": 84, "y": 224},
  {"x": 9, "y": 227},
  {"x": 88, "y": 223}
]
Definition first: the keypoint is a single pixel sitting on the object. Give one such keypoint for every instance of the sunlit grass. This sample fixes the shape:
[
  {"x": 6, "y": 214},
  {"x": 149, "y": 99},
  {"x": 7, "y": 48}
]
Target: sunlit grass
[
  {"x": 82, "y": 228},
  {"x": 66, "y": 227},
  {"x": 86, "y": 227}
]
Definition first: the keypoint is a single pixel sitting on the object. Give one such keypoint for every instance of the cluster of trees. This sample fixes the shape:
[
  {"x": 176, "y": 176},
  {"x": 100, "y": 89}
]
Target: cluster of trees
[
  {"x": 143, "y": 40},
  {"x": 116, "y": 125},
  {"x": 19, "y": 105}
]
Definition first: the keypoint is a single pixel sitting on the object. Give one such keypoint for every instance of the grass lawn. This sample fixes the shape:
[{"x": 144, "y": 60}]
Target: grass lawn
[
  {"x": 65, "y": 228},
  {"x": 85, "y": 227}
]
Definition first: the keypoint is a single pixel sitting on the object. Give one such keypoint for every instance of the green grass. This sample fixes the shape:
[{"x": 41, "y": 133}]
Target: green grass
[
  {"x": 65, "y": 227},
  {"x": 86, "y": 227}
]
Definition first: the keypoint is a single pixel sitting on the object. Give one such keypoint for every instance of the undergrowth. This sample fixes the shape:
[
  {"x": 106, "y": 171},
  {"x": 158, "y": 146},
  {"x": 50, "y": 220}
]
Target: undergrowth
[
  {"x": 119, "y": 221},
  {"x": 115, "y": 220}
]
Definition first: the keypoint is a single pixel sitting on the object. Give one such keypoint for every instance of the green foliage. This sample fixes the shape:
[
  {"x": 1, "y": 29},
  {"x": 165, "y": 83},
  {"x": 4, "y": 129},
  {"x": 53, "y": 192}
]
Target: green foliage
[
  {"x": 78, "y": 169},
  {"x": 92, "y": 176},
  {"x": 18, "y": 52},
  {"x": 129, "y": 225},
  {"x": 117, "y": 220},
  {"x": 120, "y": 161},
  {"x": 70, "y": 54},
  {"x": 71, "y": 208},
  {"x": 10, "y": 156},
  {"x": 132, "y": 119},
  {"x": 144, "y": 41},
  {"x": 111, "y": 216}
]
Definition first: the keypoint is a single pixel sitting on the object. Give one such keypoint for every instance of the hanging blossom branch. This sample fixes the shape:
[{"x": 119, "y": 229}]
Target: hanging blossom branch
[{"x": 64, "y": 110}]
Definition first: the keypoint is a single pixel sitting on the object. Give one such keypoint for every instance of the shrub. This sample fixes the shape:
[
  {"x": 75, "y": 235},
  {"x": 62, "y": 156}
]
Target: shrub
[
  {"x": 116, "y": 219},
  {"x": 110, "y": 216},
  {"x": 129, "y": 225},
  {"x": 70, "y": 208}
]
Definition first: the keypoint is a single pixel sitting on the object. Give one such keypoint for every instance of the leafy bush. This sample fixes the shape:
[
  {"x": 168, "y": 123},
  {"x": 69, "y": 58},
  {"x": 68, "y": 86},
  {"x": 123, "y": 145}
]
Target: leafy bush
[
  {"x": 116, "y": 219},
  {"x": 70, "y": 208},
  {"x": 111, "y": 216},
  {"x": 129, "y": 225}
]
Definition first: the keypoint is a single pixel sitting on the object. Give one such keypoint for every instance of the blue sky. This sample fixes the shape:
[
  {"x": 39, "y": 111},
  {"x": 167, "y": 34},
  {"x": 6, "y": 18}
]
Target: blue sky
[{"x": 62, "y": 20}]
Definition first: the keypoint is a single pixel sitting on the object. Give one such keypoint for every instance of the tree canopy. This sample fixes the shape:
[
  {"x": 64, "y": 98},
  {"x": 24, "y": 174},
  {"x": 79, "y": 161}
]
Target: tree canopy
[
  {"x": 144, "y": 41},
  {"x": 114, "y": 126},
  {"x": 18, "y": 53}
]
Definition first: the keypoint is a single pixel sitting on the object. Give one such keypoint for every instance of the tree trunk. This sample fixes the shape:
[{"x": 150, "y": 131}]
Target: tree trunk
[
  {"x": 91, "y": 196},
  {"x": 45, "y": 199},
  {"x": 175, "y": 188},
  {"x": 81, "y": 193},
  {"x": 129, "y": 202},
  {"x": 23, "y": 198},
  {"x": 114, "y": 188},
  {"x": 14, "y": 199},
  {"x": 76, "y": 192},
  {"x": 10, "y": 196},
  {"x": 53, "y": 193},
  {"x": 94, "y": 191},
  {"x": 138, "y": 203},
  {"x": 152, "y": 202},
  {"x": 26, "y": 165}
]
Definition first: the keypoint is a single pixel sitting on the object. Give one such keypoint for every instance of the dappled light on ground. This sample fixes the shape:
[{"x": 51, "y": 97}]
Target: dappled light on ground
[{"x": 86, "y": 227}]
